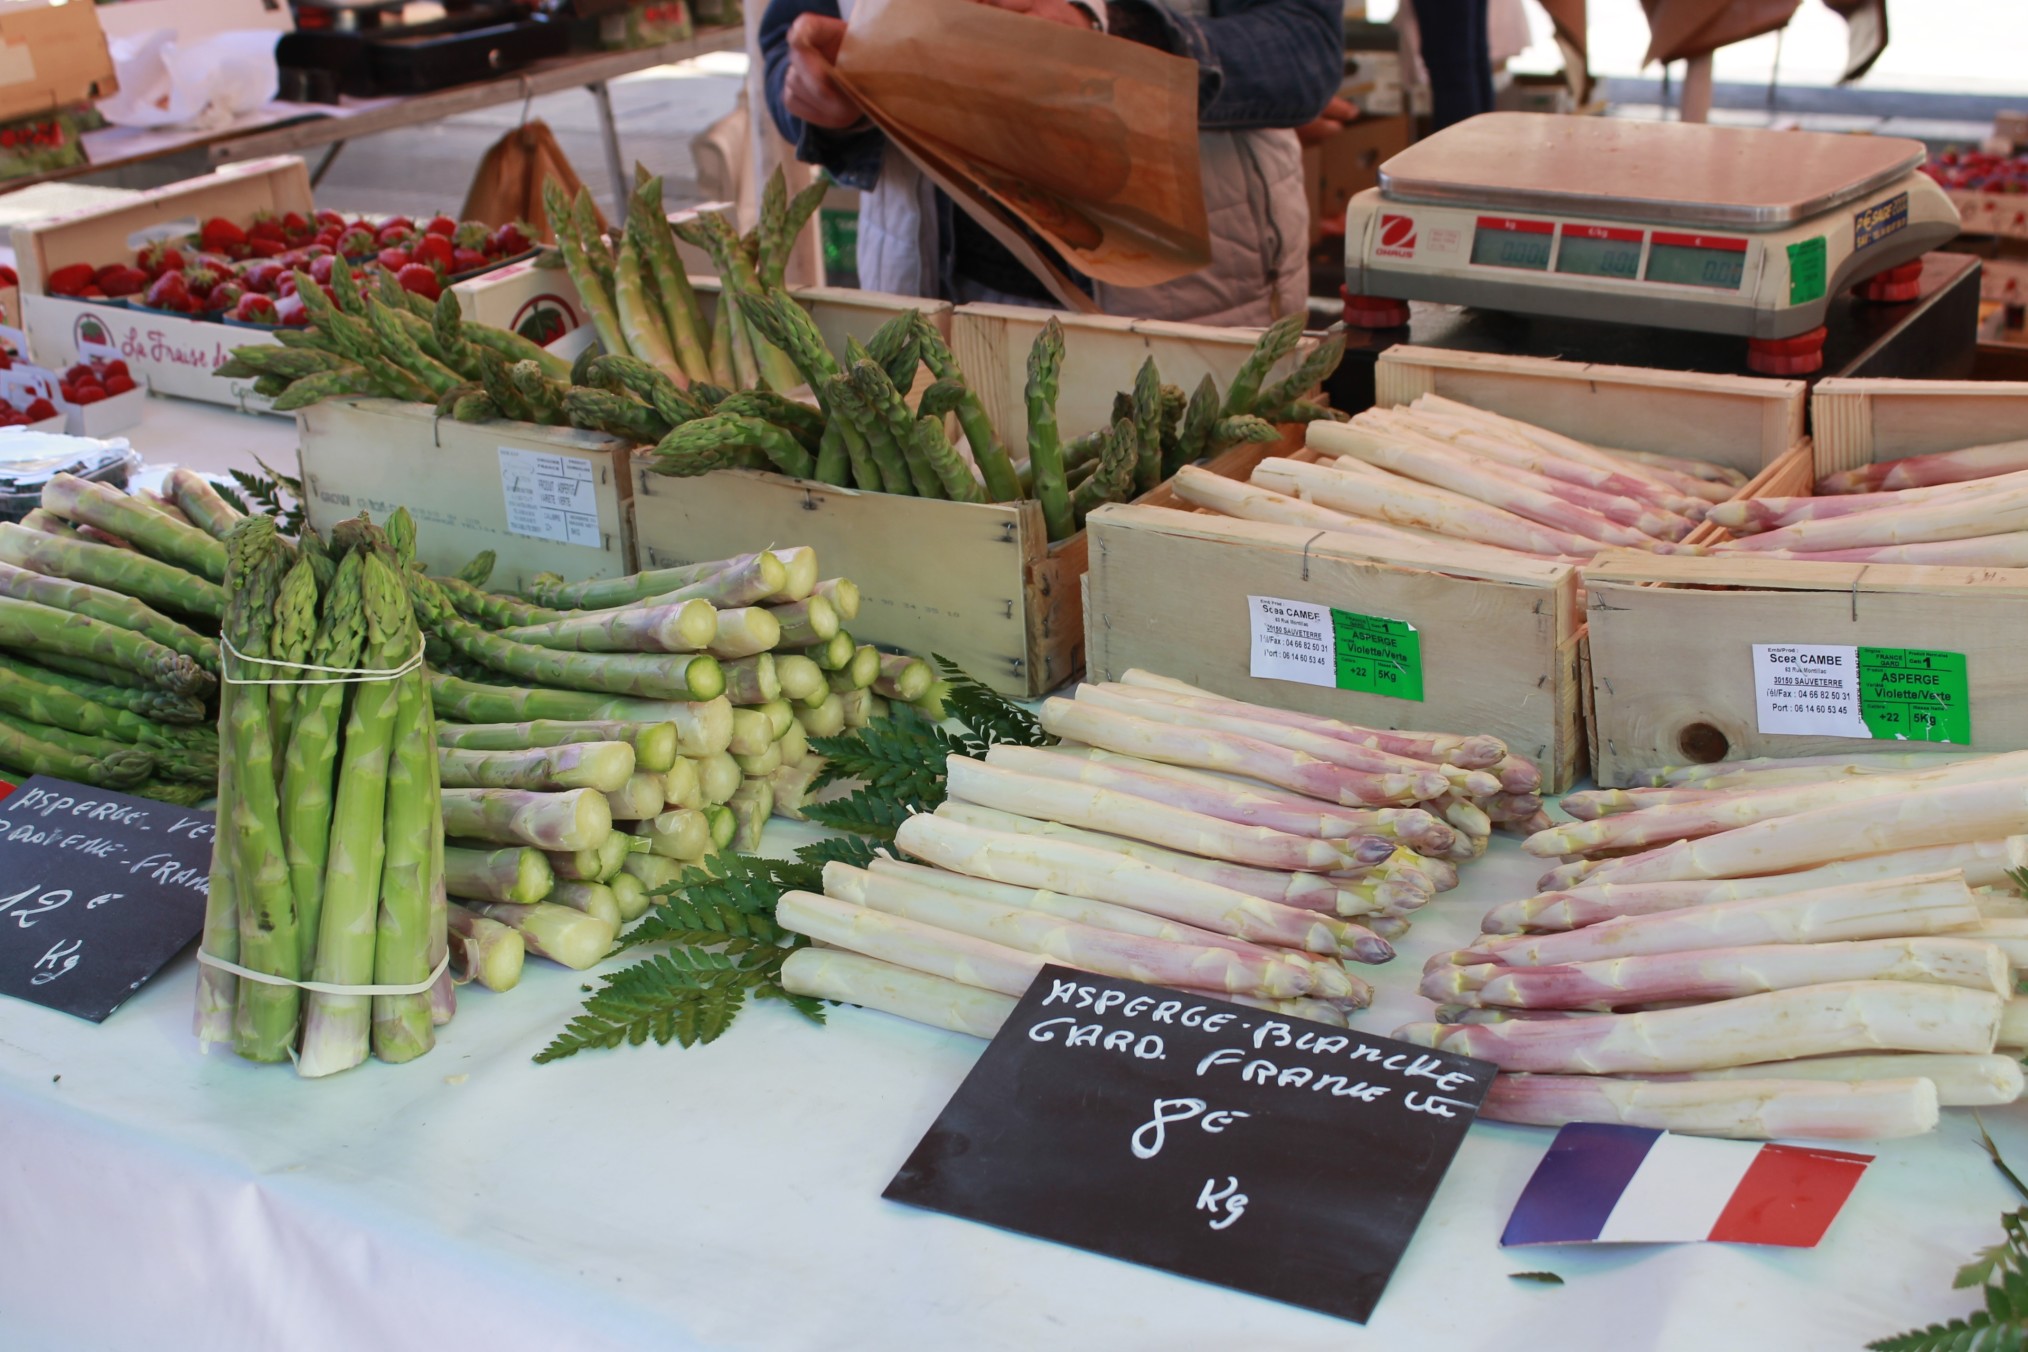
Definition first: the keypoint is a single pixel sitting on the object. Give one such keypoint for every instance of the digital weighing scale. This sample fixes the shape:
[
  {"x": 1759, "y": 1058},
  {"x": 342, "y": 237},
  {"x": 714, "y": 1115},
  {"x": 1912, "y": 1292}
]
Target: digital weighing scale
[{"x": 1670, "y": 225}]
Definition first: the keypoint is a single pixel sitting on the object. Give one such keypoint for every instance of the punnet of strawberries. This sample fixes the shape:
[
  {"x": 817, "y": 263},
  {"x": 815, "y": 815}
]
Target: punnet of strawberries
[
  {"x": 89, "y": 382},
  {"x": 248, "y": 273}
]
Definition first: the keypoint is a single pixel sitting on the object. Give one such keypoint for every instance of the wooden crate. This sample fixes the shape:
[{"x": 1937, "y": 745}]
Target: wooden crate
[
  {"x": 1672, "y": 638},
  {"x": 1101, "y": 356},
  {"x": 375, "y": 455},
  {"x": 1502, "y": 649}
]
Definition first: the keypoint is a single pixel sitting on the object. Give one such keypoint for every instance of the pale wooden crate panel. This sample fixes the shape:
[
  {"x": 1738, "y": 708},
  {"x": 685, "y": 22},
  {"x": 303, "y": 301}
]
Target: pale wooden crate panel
[
  {"x": 1673, "y": 663},
  {"x": 375, "y": 455},
  {"x": 1745, "y": 422},
  {"x": 1862, "y": 422},
  {"x": 1101, "y": 356},
  {"x": 946, "y": 577},
  {"x": 1168, "y": 590}
]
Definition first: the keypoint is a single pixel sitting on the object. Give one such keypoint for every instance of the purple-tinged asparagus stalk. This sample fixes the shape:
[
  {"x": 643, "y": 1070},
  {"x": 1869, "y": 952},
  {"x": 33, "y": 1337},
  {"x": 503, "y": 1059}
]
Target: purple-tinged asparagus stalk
[
  {"x": 605, "y": 766},
  {"x": 1749, "y": 516},
  {"x": 1092, "y": 948},
  {"x": 1760, "y": 1109},
  {"x": 907, "y": 942},
  {"x": 1993, "y": 512},
  {"x": 1404, "y": 502},
  {"x": 485, "y": 951},
  {"x": 1619, "y": 480},
  {"x": 1889, "y": 908},
  {"x": 514, "y": 874},
  {"x": 2006, "y": 550},
  {"x": 1302, "y": 1007},
  {"x": 574, "y": 820},
  {"x": 681, "y": 627},
  {"x": 1119, "y": 814},
  {"x": 1941, "y": 467},
  {"x": 1766, "y": 771},
  {"x": 1035, "y": 861},
  {"x": 829, "y": 974},
  {"x": 1721, "y": 973},
  {"x": 1852, "y": 1016},
  {"x": 1962, "y": 1081},
  {"x": 1698, "y": 478},
  {"x": 572, "y": 937},
  {"x": 1476, "y": 752},
  {"x": 1588, "y": 805},
  {"x": 1372, "y": 895},
  {"x": 1326, "y": 977},
  {"x": 1948, "y": 815},
  {"x": 1505, "y": 808},
  {"x": 1205, "y": 750}
]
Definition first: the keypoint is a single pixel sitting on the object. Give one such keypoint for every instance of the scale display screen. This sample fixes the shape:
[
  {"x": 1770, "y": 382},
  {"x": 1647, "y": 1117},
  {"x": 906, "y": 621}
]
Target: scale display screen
[
  {"x": 1697, "y": 260},
  {"x": 1600, "y": 251},
  {"x": 1503, "y": 242}
]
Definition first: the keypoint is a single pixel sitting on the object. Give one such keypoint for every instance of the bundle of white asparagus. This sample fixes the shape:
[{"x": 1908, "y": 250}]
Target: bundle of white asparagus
[
  {"x": 1443, "y": 485},
  {"x": 1957, "y": 507},
  {"x": 1818, "y": 948},
  {"x": 1173, "y": 837}
]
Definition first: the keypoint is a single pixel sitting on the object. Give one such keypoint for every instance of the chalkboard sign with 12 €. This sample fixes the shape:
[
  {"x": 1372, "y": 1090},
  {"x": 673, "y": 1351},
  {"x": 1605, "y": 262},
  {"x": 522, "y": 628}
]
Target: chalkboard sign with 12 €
[
  {"x": 1272, "y": 1154},
  {"x": 97, "y": 891}
]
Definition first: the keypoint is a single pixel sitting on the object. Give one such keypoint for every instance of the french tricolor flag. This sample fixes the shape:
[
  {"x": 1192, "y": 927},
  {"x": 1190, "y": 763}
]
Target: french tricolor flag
[{"x": 1609, "y": 1184}]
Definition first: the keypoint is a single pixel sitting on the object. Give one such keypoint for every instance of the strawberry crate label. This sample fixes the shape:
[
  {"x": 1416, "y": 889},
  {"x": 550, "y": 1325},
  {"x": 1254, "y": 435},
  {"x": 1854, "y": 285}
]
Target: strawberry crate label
[
  {"x": 550, "y": 497},
  {"x": 1839, "y": 690},
  {"x": 1339, "y": 649}
]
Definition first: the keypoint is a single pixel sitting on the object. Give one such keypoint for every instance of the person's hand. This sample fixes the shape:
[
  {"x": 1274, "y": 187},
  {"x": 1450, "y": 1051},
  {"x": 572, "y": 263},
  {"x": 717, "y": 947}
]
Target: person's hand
[
  {"x": 1329, "y": 122},
  {"x": 810, "y": 91},
  {"x": 1054, "y": 11}
]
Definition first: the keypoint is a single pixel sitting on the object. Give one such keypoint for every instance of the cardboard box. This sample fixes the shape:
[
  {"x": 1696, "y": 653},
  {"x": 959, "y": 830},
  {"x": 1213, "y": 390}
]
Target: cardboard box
[
  {"x": 51, "y": 56},
  {"x": 544, "y": 499}
]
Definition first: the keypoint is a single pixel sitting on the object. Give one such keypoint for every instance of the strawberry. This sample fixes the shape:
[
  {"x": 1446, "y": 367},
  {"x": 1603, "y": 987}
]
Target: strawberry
[
  {"x": 393, "y": 236},
  {"x": 433, "y": 250},
  {"x": 109, "y": 369},
  {"x": 320, "y": 268},
  {"x": 118, "y": 384},
  {"x": 328, "y": 237},
  {"x": 160, "y": 257},
  {"x": 265, "y": 226},
  {"x": 70, "y": 279},
  {"x": 8, "y": 276},
  {"x": 511, "y": 238},
  {"x": 218, "y": 234},
  {"x": 401, "y": 223},
  {"x": 441, "y": 225},
  {"x": 420, "y": 279},
  {"x": 356, "y": 242},
  {"x": 393, "y": 260},
  {"x": 224, "y": 296},
  {"x": 88, "y": 394},
  {"x": 289, "y": 310},
  {"x": 39, "y": 409},
  {"x": 121, "y": 279},
  {"x": 79, "y": 374},
  {"x": 203, "y": 277},
  {"x": 465, "y": 260},
  {"x": 171, "y": 291},
  {"x": 330, "y": 218},
  {"x": 266, "y": 248},
  {"x": 262, "y": 277},
  {"x": 472, "y": 235},
  {"x": 285, "y": 285},
  {"x": 253, "y": 308}
]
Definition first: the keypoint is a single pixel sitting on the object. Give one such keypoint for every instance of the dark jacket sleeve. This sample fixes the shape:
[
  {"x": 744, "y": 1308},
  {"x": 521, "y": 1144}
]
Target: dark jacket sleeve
[
  {"x": 1261, "y": 63},
  {"x": 853, "y": 158}
]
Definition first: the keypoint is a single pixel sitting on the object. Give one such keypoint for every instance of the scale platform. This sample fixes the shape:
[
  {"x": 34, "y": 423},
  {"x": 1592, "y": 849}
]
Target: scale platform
[{"x": 1668, "y": 225}]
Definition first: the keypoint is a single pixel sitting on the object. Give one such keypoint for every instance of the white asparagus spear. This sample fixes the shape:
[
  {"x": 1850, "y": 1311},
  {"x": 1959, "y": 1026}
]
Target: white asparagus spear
[
  {"x": 828, "y": 974},
  {"x": 1363, "y": 535},
  {"x": 1119, "y": 814},
  {"x": 1801, "y": 769},
  {"x": 1035, "y": 861},
  {"x": 2008, "y": 550},
  {"x": 1204, "y": 749},
  {"x": 1619, "y": 480},
  {"x": 967, "y": 959},
  {"x": 1984, "y": 864},
  {"x": 1414, "y": 827},
  {"x": 1217, "y": 717},
  {"x": 1890, "y": 908},
  {"x": 1968, "y": 1081},
  {"x": 2009, "y": 935},
  {"x": 1327, "y": 978},
  {"x": 1233, "y": 803},
  {"x": 1752, "y": 515},
  {"x": 1990, "y": 513},
  {"x": 1311, "y": 891},
  {"x": 1302, "y": 1007},
  {"x": 2014, "y": 1024},
  {"x": 1852, "y": 1016},
  {"x": 1091, "y": 948},
  {"x": 1758, "y": 1109},
  {"x": 1474, "y": 752},
  {"x": 1938, "y": 816},
  {"x": 1404, "y": 502},
  {"x": 1941, "y": 467},
  {"x": 1665, "y": 469},
  {"x": 1440, "y": 466},
  {"x": 1721, "y": 973},
  {"x": 1685, "y": 821}
]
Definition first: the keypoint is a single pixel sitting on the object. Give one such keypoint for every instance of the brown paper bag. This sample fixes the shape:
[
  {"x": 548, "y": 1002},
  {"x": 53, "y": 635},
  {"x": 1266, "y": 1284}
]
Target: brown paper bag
[
  {"x": 1088, "y": 140},
  {"x": 508, "y": 186}
]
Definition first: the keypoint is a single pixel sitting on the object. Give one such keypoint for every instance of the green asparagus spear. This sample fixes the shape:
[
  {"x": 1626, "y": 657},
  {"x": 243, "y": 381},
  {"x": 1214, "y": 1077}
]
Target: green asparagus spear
[
  {"x": 293, "y": 636},
  {"x": 111, "y": 607},
  {"x": 499, "y": 612},
  {"x": 512, "y": 347},
  {"x": 27, "y": 626},
  {"x": 149, "y": 705},
  {"x": 584, "y": 275},
  {"x": 654, "y": 744},
  {"x": 648, "y": 228},
  {"x": 28, "y": 754},
  {"x": 883, "y": 419},
  {"x": 935, "y": 450},
  {"x": 513, "y": 873},
  {"x": 604, "y": 411},
  {"x": 201, "y": 502},
  {"x": 1239, "y": 431},
  {"x": 1045, "y": 451},
  {"x": 1275, "y": 343},
  {"x": 1147, "y": 421},
  {"x": 410, "y": 872},
  {"x": 605, "y": 593},
  {"x": 346, "y": 380},
  {"x": 987, "y": 453},
  {"x": 81, "y": 500},
  {"x": 1194, "y": 439},
  {"x": 605, "y": 766},
  {"x": 1174, "y": 405},
  {"x": 806, "y": 424},
  {"x": 631, "y": 375},
  {"x": 1113, "y": 478},
  {"x": 641, "y": 319},
  {"x": 724, "y": 433},
  {"x": 847, "y": 416},
  {"x": 312, "y": 752},
  {"x": 542, "y": 396},
  {"x": 1311, "y": 372},
  {"x": 896, "y": 348}
]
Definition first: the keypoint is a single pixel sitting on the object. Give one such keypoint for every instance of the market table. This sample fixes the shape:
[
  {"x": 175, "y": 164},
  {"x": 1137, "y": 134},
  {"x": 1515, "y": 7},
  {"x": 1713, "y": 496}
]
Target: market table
[{"x": 729, "y": 1196}]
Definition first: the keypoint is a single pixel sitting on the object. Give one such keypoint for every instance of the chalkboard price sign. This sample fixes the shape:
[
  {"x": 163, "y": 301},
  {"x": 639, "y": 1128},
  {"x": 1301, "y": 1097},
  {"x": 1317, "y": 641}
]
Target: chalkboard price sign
[
  {"x": 1271, "y": 1154},
  {"x": 97, "y": 891}
]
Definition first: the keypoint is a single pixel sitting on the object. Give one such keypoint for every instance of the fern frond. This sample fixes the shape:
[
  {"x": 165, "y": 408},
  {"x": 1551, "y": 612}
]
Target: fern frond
[
  {"x": 1957, "y": 1334},
  {"x": 902, "y": 755},
  {"x": 866, "y": 812},
  {"x": 686, "y": 997},
  {"x": 990, "y": 715},
  {"x": 857, "y": 851}
]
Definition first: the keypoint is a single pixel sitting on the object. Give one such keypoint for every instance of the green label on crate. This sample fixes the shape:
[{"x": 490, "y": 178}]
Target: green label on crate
[
  {"x": 1915, "y": 694},
  {"x": 1321, "y": 645},
  {"x": 1806, "y": 270}
]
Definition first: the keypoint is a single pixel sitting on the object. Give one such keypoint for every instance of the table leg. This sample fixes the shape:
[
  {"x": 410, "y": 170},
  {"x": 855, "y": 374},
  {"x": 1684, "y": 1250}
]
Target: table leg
[
  {"x": 324, "y": 164},
  {"x": 611, "y": 135}
]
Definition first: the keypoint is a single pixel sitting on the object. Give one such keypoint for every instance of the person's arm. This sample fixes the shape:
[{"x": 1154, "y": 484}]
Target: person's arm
[
  {"x": 1261, "y": 63},
  {"x": 851, "y": 154}
]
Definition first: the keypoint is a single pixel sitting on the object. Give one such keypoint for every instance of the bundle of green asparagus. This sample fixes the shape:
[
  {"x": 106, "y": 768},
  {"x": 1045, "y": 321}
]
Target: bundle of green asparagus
[
  {"x": 109, "y": 609},
  {"x": 328, "y": 866}
]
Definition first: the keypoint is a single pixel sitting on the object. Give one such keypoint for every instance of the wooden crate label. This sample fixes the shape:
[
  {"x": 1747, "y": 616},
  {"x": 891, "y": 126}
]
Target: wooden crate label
[
  {"x": 1843, "y": 690},
  {"x": 1338, "y": 649},
  {"x": 550, "y": 497}
]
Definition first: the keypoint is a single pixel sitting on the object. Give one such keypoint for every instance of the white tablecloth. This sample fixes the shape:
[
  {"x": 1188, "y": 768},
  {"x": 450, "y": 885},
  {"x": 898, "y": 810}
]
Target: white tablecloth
[{"x": 729, "y": 1196}]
